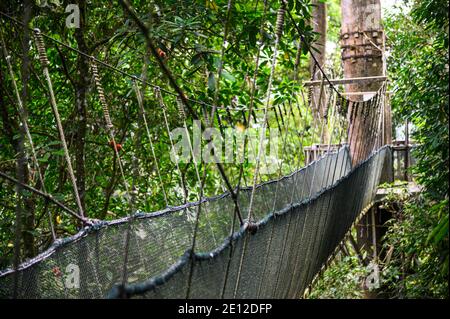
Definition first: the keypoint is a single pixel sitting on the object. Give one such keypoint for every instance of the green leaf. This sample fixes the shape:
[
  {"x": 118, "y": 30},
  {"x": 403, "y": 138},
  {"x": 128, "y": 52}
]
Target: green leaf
[
  {"x": 211, "y": 81},
  {"x": 45, "y": 158},
  {"x": 439, "y": 232},
  {"x": 226, "y": 75},
  {"x": 59, "y": 152}
]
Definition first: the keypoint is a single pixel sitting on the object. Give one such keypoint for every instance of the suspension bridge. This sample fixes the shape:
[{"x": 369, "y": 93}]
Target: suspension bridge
[{"x": 259, "y": 239}]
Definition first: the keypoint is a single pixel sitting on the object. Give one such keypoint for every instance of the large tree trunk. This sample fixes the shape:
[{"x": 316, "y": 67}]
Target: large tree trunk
[
  {"x": 361, "y": 37},
  {"x": 318, "y": 104}
]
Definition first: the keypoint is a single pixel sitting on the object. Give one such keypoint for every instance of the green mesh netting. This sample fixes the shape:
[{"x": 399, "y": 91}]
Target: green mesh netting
[{"x": 301, "y": 218}]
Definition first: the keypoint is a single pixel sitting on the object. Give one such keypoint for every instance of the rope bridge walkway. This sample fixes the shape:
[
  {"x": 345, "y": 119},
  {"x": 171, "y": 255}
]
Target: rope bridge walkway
[
  {"x": 267, "y": 239},
  {"x": 278, "y": 261}
]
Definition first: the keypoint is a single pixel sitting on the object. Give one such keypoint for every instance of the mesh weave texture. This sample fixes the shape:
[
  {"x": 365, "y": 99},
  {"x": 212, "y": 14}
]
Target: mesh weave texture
[{"x": 301, "y": 218}]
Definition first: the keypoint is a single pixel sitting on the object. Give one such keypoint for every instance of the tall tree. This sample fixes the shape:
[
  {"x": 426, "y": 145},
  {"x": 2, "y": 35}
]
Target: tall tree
[
  {"x": 361, "y": 39},
  {"x": 81, "y": 85},
  {"x": 22, "y": 165},
  {"x": 361, "y": 44},
  {"x": 319, "y": 26}
]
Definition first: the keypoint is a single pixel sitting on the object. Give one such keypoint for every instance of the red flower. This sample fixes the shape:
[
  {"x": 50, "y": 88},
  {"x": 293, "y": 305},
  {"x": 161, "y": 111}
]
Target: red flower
[
  {"x": 118, "y": 146},
  {"x": 161, "y": 53},
  {"x": 56, "y": 271}
]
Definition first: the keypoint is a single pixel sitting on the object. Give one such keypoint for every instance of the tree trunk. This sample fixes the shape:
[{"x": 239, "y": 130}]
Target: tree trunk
[
  {"x": 22, "y": 167},
  {"x": 81, "y": 85},
  {"x": 361, "y": 41},
  {"x": 319, "y": 25},
  {"x": 361, "y": 38}
]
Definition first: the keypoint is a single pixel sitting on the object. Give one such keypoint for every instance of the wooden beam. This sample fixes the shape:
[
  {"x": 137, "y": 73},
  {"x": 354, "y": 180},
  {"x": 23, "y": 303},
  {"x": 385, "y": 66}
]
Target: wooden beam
[
  {"x": 363, "y": 93},
  {"x": 378, "y": 78}
]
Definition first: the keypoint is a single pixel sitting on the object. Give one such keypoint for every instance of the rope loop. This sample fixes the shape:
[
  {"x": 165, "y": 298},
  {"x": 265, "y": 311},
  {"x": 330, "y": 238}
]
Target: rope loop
[
  {"x": 181, "y": 109},
  {"x": 101, "y": 94},
  {"x": 251, "y": 227},
  {"x": 41, "y": 47},
  {"x": 158, "y": 95},
  {"x": 280, "y": 20}
]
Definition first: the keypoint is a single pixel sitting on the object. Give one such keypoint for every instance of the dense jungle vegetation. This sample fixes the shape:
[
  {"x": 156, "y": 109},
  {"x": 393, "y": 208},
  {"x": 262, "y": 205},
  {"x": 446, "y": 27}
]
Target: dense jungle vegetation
[{"x": 189, "y": 38}]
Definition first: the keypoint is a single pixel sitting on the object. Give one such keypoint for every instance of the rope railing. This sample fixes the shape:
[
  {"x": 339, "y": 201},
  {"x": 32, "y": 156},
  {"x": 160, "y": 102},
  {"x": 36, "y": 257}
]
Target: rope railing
[
  {"x": 213, "y": 226},
  {"x": 45, "y": 63}
]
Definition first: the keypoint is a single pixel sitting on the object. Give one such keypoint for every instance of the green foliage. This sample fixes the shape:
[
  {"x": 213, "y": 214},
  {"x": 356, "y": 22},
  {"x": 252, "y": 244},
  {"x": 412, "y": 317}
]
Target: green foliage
[
  {"x": 419, "y": 43},
  {"x": 342, "y": 280},
  {"x": 416, "y": 267},
  {"x": 420, "y": 51},
  {"x": 190, "y": 33}
]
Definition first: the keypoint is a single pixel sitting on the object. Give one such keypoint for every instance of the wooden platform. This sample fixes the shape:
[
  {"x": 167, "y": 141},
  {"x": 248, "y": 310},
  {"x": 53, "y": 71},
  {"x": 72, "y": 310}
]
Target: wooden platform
[{"x": 409, "y": 187}]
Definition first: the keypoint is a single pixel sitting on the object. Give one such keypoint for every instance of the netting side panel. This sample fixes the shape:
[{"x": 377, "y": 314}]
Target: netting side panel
[
  {"x": 286, "y": 264},
  {"x": 325, "y": 236},
  {"x": 262, "y": 203},
  {"x": 233, "y": 268},
  {"x": 28, "y": 284},
  {"x": 297, "y": 187},
  {"x": 340, "y": 166},
  {"x": 282, "y": 192},
  {"x": 209, "y": 276},
  {"x": 215, "y": 222},
  {"x": 339, "y": 208},
  {"x": 253, "y": 269},
  {"x": 304, "y": 258},
  {"x": 314, "y": 218},
  {"x": 319, "y": 229},
  {"x": 294, "y": 250},
  {"x": 347, "y": 200},
  {"x": 155, "y": 244},
  {"x": 274, "y": 231}
]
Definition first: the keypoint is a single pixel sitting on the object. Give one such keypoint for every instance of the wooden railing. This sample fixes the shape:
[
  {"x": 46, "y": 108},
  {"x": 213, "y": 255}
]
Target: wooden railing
[
  {"x": 315, "y": 151},
  {"x": 402, "y": 160},
  {"x": 401, "y": 157}
]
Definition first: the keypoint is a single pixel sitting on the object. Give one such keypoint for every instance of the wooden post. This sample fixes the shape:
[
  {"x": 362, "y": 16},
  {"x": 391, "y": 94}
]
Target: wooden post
[
  {"x": 387, "y": 123},
  {"x": 365, "y": 79}
]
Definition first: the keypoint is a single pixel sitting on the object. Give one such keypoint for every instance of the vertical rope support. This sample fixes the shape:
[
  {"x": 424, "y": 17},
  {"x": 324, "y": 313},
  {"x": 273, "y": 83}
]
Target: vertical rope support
[
  {"x": 249, "y": 224},
  {"x": 101, "y": 95},
  {"x": 130, "y": 195},
  {"x": 222, "y": 55},
  {"x": 182, "y": 115},
  {"x": 174, "y": 154},
  {"x": 144, "y": 117},
  {"x": 45, "y": 64},
  {"x": 279, "y": 32},
  {"x": 108, "y": 123}
]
